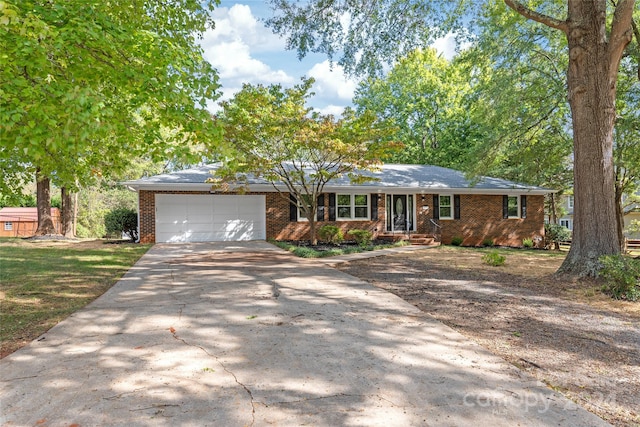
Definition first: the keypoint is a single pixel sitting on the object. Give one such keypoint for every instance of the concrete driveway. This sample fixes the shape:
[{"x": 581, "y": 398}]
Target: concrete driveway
[{"x": 247, "y": 335}]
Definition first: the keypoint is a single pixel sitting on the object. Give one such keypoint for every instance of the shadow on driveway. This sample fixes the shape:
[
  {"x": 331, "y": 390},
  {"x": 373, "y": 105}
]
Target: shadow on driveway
[{"x": 246, "y": 334}]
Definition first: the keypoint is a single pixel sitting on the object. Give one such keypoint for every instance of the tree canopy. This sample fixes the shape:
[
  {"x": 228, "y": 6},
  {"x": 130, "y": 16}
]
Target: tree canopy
[
  {"x": 85, "y": 86},
  {"x": 423, "y": 95},
  {"x": 274, "y": 135}
]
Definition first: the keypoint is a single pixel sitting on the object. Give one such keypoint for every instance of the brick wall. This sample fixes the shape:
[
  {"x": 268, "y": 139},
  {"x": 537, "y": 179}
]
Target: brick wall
[
  {"x": 147, "y": 216},
  {"x": 280, "y": 228},
  {"x": 480, "y": 218}
]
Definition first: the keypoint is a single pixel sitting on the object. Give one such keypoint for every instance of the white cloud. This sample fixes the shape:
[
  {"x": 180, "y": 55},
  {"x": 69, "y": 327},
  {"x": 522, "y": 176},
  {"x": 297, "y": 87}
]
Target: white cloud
[
  {"x": 234, "y": 61},
  {"x": 238, "y": 23},
  {"x": 332, "y": 82},
  {"x": 231, "y": 47},
  {"x": 446, "y": 46},
  {"x": 335, "y": 110},
  {"x": 243, "y": 51}
]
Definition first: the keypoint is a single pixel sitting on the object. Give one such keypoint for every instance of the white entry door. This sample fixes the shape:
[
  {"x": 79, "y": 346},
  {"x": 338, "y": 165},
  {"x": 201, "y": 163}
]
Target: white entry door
[{"x": 209, "y": 218}]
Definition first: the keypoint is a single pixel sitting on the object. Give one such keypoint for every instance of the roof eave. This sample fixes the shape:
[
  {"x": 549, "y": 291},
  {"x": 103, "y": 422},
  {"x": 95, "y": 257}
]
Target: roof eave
[{"x": 334, "y": 189}]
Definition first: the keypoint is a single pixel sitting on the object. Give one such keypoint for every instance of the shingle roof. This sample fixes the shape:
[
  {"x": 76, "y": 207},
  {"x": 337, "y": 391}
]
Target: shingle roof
[{"x": 397, "y": 176}]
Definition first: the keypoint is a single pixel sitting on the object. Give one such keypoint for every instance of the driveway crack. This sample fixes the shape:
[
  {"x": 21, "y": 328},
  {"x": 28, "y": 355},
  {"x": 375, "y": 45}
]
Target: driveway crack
[{"x": 235, "y": 378}]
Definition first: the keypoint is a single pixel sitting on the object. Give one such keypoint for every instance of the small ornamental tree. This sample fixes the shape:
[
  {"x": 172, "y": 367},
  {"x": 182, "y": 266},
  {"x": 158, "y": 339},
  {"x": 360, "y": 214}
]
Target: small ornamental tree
[{"x": 274, "y": 136}]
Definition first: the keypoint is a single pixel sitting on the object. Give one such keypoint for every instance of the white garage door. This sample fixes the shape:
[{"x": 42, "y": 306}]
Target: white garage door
[{"x": 208, "y": 218}]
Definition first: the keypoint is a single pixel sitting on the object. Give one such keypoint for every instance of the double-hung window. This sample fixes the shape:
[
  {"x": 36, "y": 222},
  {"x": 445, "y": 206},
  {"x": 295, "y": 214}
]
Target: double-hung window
[
  {"x": 352, "y": 206},
  {"x": 8, "y": 226},
  {"x": 307, "y": 200},
  {"x": 514, "y": 207},
  {"x": 445, "y": 207}
]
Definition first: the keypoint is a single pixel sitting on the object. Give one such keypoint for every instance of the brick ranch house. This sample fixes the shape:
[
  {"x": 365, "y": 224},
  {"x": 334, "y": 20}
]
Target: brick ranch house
[{"x": 419, "y": 199}]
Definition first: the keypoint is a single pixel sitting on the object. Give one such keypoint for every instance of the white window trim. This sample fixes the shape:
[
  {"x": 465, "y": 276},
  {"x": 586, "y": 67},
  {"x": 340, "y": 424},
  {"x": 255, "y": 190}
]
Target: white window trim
[
  {"x": 570, "y": 202},
  {"x": 8, "y": 226},
  {"x": 352, "y": 198},
  {"x": 452, "y": 206},
  {"x": 519, "y": 211}
]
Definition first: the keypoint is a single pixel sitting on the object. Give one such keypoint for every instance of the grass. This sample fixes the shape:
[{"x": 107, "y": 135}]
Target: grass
[
  {"x": 40, "y": 285},
  {"x": 309, "y": 252}
]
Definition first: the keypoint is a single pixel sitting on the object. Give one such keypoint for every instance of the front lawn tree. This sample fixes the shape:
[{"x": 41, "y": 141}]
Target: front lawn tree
[
  {"x": 88, "y": 85},
  {"x": 274, "y": 136},
  {"x": 370, "y": 33}
]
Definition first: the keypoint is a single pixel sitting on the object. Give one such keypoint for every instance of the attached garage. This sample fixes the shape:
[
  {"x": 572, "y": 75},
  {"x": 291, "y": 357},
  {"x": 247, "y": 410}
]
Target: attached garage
[{"x": 209, "y": 218}]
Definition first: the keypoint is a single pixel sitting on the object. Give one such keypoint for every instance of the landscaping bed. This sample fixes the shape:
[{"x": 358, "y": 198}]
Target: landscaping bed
[
  {"x": 305, "y": 249},
  {"x": 564, "y": 332}
]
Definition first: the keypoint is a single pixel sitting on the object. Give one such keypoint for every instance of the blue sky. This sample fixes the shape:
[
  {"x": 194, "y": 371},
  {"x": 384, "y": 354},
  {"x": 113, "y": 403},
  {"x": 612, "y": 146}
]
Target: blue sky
[{"x": 245, "y": 51}]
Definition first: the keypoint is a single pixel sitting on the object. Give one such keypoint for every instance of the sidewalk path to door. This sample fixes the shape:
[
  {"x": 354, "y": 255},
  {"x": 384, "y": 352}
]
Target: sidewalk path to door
[{"x": 245, "y": 334}]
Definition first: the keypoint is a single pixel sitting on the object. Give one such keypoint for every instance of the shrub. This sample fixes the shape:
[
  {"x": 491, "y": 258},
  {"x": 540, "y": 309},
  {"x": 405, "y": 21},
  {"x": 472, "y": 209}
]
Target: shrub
[
  {"x": 493, "y": 258},
  {"x": 456, "y": 240},
  {"x": 622, "y": 277},
  {"x": 362, "y": 237},
  {"x": 303, "y": 252},
  {"x": 554, "y": 234},
  {"x": 331, "y": 233},
  {"x": 122, "y": 220},
  {"x": 488, "y": 242},
  {"x": 527, "y": 243}
]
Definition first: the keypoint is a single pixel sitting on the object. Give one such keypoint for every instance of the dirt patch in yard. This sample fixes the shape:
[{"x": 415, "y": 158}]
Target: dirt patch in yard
[{"x": 563, "y": 332}]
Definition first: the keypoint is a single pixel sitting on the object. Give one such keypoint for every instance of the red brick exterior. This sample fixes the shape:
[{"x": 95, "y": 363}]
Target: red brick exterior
[
  {"x": 480, "y": 218},
  {"x": 280, "y": 228}
]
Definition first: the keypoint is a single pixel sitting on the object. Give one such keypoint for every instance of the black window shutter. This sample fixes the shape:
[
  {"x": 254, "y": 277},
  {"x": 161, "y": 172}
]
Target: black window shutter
[
  {"x": 436, "y": 206},
  {"x": 320, "y": 207},
  {"x": 456, "y": 206},
  {"x": 332, "y": 206},
  {"x": 374, "y": 207},
  {"x": 505, "y": 207},
  {"x": 293, "y": 208},
  {"x": 523, "y": 206}
]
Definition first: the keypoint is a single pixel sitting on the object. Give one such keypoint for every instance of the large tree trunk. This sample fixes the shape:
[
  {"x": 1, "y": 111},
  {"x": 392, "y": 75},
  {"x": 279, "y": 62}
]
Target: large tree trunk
[
  {"x": 67, "y": 216},
  {"x": 43, "y": 192},
  {"x": 594, "y": 59},
  {"x": 591, "y": 78}
]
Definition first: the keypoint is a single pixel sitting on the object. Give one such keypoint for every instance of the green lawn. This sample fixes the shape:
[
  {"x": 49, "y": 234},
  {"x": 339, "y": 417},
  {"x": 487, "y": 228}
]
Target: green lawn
[{"x": 42, "y": 283}]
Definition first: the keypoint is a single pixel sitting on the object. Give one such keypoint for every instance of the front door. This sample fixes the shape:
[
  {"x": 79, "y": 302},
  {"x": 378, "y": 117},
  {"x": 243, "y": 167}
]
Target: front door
[{"x": 399, "y": 212}]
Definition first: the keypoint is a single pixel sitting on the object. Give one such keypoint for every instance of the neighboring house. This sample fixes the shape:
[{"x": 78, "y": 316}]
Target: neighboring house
[
  {"x": 630, "y": 213},
  {"x": 182, "y": 207},
  {"x": 567, "y": 219},
  {"x": 23, "y": 222}
]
